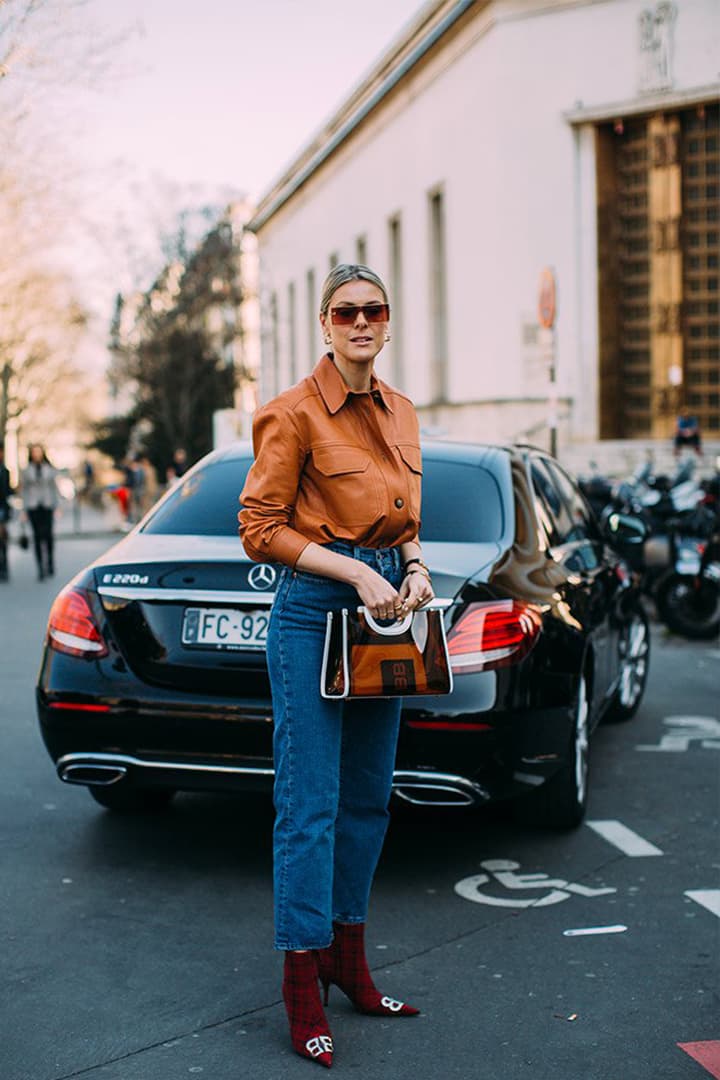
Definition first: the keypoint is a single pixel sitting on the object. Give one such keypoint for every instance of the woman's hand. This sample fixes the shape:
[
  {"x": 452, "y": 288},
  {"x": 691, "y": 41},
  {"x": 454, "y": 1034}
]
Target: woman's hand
[
  {"x": 416, "y": 590},
  {"x": 379, "y": 596}
]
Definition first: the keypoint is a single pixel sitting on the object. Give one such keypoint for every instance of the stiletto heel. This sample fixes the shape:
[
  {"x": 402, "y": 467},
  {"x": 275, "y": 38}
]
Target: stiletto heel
[
  {"x": 309, "y": 1030},
  {"x": 344, "y": 964}
]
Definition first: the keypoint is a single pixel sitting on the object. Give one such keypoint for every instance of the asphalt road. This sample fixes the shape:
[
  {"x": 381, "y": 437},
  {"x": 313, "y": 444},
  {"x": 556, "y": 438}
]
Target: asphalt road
[{"x": 140, "y": 948}]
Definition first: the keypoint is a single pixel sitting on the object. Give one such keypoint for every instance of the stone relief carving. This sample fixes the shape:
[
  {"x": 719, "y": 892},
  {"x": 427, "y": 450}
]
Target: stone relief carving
[{"x": 657, "y": 38}]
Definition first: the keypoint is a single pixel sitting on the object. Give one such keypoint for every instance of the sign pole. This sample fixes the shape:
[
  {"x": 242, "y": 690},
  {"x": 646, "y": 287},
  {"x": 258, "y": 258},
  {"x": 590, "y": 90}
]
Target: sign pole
[{"x": 547, "y": 310}]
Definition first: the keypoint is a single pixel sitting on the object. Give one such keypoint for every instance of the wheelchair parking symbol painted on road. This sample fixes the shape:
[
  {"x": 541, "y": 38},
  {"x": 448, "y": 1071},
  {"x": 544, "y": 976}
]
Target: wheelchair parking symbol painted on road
[
  {"x": 685, "y": 730},
  {"x": 503, "y": 872}
]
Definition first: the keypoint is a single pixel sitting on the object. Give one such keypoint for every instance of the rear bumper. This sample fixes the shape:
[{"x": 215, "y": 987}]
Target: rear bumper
[
  {"x": 420, "y": 788},
  {"x": 461, "y": 757}
]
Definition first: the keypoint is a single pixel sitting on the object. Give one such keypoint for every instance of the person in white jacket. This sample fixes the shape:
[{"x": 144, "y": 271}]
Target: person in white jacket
[{"x": 39, "y": 491}]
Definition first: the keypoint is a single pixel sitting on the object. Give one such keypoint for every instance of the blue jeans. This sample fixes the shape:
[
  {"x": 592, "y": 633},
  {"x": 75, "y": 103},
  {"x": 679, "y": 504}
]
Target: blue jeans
[{"x": 334, "y": 763}]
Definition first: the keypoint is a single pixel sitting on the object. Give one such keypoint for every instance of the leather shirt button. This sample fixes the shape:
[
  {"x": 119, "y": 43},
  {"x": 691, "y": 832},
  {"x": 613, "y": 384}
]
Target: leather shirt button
[{"x": 399, "y": 503}]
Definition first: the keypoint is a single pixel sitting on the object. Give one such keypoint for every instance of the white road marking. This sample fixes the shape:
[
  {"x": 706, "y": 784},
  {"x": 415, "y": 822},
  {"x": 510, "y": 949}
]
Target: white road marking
[
  {"x": 504, "y": 872},
  {"x": 582, "y": 931},
  {"x": 623, "y": 838},
  {"x": 707, "y": 898},
  {"x": 684, "y": 730}
]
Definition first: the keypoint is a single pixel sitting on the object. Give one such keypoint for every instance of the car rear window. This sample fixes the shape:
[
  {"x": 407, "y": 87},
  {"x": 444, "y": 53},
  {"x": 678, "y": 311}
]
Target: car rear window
[
  {"x": 204, "y": 503},
  {"x": 461, "y": 502}
]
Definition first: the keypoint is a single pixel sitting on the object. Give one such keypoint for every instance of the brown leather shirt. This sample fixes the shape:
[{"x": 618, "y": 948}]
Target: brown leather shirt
[{"x": 331, "y": 464}]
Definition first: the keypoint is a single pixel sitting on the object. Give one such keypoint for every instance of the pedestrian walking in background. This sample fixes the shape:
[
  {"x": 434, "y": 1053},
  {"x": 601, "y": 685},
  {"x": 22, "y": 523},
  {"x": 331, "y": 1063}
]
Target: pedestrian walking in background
[
  {"x": 151, "y": 487},
  {"x": 5, "y": 511},
  {"x": 137, "y": 492},
  {"x": 334, "y": 495},
  {"x": 687, "y": 432},
  {"x": 127, "y": 500},
  {"x": 177, "y": 467},
  {"x": 38, "y": 487},
  {"x": 88, "y": 480}
]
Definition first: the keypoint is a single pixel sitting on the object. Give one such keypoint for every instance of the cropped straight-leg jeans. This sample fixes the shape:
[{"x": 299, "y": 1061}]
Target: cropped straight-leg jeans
[{"x": 334, "y": 763}]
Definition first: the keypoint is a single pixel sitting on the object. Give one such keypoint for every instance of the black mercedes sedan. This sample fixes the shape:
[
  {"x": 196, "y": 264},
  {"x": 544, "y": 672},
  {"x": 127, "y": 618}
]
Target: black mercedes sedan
[{"x": 153, "y": 677}]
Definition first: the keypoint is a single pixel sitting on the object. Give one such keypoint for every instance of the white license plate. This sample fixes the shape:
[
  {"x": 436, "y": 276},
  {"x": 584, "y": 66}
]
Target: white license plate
[{"x": 225, "y": 628}]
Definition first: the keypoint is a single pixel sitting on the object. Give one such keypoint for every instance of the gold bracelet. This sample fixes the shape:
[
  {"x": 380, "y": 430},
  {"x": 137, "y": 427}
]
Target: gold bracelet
[{"x": 425, "y": 572}]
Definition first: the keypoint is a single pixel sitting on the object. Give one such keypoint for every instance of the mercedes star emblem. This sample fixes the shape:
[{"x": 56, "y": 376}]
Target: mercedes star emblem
[{"x": 262, "y": 576}]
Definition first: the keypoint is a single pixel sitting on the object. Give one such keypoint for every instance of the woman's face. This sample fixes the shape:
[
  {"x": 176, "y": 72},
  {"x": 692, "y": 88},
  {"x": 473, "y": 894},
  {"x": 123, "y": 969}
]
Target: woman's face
[
  {"x": 36, "y": 454},
  {"x": 360, "y": 341}
]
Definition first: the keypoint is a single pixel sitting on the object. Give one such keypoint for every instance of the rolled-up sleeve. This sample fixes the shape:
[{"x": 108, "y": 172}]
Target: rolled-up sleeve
[{"x": 268, "y": 497}]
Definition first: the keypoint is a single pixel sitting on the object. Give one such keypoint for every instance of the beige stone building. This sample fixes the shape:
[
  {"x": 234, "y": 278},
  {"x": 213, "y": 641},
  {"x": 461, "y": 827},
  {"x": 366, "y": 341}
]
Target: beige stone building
[{"x": 494, "y": 139}]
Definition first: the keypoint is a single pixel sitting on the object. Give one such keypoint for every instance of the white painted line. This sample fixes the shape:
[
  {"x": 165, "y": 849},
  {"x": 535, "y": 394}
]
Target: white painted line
[
  {"x": 582, "y": 931},
  {"x": 623, "y": 838},
  {"x": 708, "y": 898}
]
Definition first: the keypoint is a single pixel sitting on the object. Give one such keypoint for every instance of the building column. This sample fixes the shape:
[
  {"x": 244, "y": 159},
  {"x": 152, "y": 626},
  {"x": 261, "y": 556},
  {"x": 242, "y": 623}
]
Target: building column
[{"x": 666, "y": 276}]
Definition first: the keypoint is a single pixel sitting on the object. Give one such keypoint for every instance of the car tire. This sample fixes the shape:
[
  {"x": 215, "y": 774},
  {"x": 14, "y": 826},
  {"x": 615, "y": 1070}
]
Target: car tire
[
  {"x": 126, "y": 799},
  {"x": 688, "y": 608},
  {"x": 634, "y": 657},
  {"x": 562, "y": 800}
]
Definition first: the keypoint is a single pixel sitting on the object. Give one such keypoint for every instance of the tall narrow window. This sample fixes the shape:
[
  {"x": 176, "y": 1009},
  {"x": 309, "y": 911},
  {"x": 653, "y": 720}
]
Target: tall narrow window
[
  {"x": 361, "y": 250},
  {"x": 396, "y": 300},
  {"x": 311, "y": 320},
  {"x": 274, "y": 345},
  {"x": 292, "y": 333},
  {"x": 334, "y": 259},
  {"x": 438, "y": 296}
]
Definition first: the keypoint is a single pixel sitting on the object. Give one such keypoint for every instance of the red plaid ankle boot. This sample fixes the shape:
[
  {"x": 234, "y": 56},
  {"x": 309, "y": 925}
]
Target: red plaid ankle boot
[
  {"x": 309, "y": 1029},
  {"x": 344, "y": 964}
]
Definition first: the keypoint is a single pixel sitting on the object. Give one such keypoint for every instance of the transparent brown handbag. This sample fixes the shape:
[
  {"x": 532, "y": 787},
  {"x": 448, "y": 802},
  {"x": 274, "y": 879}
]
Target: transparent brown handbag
[{"x": 364, "y": 658}]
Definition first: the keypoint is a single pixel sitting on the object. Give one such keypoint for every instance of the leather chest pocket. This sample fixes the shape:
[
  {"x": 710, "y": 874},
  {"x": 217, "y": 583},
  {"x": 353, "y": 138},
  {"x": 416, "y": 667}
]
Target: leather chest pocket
[
  {"x": 411, "y": 455},
  {"x": 347, "y": 484}
]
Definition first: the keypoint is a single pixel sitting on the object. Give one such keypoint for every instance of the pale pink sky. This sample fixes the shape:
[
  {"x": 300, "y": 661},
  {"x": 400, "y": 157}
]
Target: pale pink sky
[{"x": 227, "y": 90}]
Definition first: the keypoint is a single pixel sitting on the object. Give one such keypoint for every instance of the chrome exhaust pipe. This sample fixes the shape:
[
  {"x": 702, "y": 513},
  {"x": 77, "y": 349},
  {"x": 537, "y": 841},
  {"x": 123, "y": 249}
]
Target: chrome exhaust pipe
[
  {"x": 100, "y": 775},
  {"x": 438, "y": 789}
]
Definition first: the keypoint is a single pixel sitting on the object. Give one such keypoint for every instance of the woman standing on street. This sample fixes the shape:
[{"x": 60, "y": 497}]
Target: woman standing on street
[
  {"x": 334, "y": 495},
  {"x": 40, "y": 499},
  {"x": 5, "y": 492}
]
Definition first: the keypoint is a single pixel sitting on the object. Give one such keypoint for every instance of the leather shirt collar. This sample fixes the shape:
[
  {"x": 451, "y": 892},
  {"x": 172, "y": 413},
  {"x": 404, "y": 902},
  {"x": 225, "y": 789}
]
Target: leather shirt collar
[{"x": 335, "y": 391}]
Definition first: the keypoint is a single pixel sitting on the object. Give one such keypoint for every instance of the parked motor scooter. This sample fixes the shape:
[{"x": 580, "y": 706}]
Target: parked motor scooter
[{"x": 688, "y": 595}]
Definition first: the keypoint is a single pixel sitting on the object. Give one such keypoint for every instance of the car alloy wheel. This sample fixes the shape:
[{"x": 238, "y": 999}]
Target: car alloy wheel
[
  {"x": 560, "y": 802},
  {"x": 582, "y": 741},
  {"x": 634, "y": 650},
  {"x": 633, "y": 663}
]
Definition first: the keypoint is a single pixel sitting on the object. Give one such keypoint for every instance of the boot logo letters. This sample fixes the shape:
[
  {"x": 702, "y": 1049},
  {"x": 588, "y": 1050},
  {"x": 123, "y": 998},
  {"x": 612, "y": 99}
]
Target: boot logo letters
[
  {"x": 392, "y": 1004},
  {"x": 321, "y": 1044}
]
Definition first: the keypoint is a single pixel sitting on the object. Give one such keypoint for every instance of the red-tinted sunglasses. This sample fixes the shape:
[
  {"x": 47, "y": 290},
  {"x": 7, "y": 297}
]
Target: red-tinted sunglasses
[{"x": 346, "y": 316}]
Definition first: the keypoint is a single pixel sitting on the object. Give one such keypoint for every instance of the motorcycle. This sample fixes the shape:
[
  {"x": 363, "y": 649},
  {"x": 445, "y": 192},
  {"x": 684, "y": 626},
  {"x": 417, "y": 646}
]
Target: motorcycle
[
  {"x": 678, "y": 563},
  {"x": 687, "y": 597}
]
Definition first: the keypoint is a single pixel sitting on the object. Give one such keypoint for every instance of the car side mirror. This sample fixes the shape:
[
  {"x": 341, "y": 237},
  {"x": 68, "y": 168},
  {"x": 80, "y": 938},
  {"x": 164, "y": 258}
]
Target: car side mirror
[{"x": 624, "y": 530}]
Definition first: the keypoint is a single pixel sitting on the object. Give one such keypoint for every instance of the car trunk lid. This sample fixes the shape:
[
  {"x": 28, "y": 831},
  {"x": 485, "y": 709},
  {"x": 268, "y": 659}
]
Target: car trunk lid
[{"x": 191, "y": 623}]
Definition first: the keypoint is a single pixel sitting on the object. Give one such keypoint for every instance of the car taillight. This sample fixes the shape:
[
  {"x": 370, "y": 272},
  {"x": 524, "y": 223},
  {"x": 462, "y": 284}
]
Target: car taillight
[
  {"x": 492, "y": 635},
  {"x": 71, "y": 627}
]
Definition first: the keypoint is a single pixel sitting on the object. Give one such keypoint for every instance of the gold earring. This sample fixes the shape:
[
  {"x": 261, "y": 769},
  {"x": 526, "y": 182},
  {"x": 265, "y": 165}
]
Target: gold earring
[
  {"x": 328, "y": 340},
  {"x": 387, "y": 337}
]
